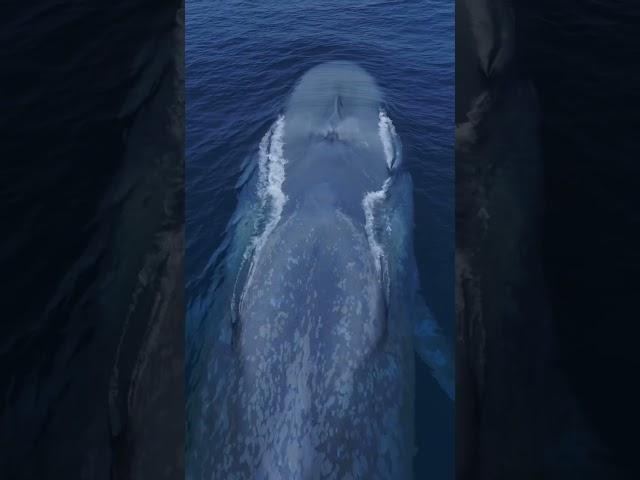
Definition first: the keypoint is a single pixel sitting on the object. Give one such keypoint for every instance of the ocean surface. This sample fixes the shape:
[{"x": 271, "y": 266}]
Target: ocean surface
[{"x": 243, "y": 58}]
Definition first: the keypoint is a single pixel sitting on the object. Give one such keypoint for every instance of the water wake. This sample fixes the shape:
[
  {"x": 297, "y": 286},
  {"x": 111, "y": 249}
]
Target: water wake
[
  {"x": 371, "y": 200},
  {"x": 389, "y": 139},
  {"x": 369, "y": 203},
  {"x": 271, "y": 176}
]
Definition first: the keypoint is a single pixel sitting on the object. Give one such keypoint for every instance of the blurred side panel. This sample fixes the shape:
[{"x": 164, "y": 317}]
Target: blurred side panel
[
  {"x": 503, "y": 319},
  {"x": 534, "y": 395},
  {"x": 92, "y": 297}
]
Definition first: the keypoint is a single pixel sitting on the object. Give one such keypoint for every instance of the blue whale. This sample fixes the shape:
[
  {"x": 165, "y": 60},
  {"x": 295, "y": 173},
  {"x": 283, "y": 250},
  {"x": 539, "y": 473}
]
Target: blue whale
[{"x": 301, "y": 362}]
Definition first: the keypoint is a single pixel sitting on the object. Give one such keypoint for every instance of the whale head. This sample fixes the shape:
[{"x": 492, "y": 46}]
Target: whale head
[{"x": 332, "y": 138}]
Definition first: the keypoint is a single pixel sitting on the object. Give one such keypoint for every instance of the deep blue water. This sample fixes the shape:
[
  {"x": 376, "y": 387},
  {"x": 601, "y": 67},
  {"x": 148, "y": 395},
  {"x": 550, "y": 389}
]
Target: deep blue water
[{"x": 242, "y": 60}]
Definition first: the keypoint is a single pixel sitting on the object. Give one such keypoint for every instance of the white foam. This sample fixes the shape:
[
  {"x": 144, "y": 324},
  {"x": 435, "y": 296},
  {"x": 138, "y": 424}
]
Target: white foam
[
  {"x": 271, "y": 176},
  {"x": 263, "y": 162},
  {"x": 371, "y": 200},
  {"x": 388, "y": 137},
  {"x": 263, "y": 176},
  {"x": 369, "y": 203}
]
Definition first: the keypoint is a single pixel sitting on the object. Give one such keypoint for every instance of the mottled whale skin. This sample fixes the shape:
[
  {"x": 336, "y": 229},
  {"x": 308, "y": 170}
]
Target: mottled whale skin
[{"x": 311, "y": 373}]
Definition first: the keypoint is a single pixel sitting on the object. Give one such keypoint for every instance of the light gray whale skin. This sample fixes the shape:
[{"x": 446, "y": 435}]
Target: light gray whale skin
[{"x": 311, "y": 375}]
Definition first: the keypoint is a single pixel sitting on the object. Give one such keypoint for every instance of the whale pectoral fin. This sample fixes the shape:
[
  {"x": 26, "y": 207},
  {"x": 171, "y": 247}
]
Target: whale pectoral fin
[{"x": 433, "y": 348}]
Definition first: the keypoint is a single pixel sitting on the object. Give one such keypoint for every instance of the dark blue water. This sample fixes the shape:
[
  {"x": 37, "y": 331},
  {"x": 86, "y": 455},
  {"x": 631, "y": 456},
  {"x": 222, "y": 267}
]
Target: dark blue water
[{"x": 242, "y": 60}]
